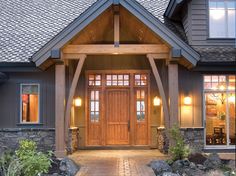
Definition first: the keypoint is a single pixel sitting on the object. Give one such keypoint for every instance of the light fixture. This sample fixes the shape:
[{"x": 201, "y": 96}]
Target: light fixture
[
  {"x": 231, "y": 99},
  {"x": 78, "y": 102},
  {"x": 156, "y": 101},
  {"x": 187, "y": 100}
]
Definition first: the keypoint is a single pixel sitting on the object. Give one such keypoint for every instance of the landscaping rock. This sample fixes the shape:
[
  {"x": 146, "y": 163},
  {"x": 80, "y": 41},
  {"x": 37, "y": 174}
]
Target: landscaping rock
[
  {"x": 159, "y": 167},
  {"x": 201, "y": 167},
  {"x": 232, "y": 165},
  {"x": 68, "y": 167},
  {"x": 197, "y": 158},
  {"x": 169, "y": 174},
  {"x": 213, "y": 161}
]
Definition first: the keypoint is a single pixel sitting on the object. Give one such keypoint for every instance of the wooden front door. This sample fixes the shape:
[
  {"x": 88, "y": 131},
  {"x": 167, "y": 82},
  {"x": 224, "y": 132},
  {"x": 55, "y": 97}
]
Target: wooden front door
[
  {"x": 117, "y": 117},
  {"x": 117, "y": 108}
]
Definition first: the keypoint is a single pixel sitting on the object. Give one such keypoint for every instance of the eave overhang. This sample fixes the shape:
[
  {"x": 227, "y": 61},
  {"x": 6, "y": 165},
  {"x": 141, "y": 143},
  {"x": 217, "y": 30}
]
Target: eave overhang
[{"x": 173, "y": 7}]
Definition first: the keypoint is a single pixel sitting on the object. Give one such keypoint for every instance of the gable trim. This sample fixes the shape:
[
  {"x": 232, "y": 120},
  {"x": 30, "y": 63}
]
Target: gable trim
[
  {"x": 71, "y": 30},
  {"x": 156, "y": 26}
]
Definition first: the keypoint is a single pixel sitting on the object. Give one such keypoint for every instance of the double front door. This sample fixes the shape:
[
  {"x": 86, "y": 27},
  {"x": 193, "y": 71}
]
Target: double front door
[{"x": 117, "y": 112}]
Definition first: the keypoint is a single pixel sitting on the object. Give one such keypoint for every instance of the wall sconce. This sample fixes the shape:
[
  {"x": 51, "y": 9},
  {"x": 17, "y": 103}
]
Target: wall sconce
[
  {"x": 156, "y": 101},
  {"x": 231, "y": 99},
  {"x": 78, "y": 102},
  {"x": 187, "y": 100}
]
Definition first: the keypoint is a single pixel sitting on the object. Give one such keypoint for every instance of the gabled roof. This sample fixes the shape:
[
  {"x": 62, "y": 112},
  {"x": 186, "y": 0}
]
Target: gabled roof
[{"x": 32, "y": 28}]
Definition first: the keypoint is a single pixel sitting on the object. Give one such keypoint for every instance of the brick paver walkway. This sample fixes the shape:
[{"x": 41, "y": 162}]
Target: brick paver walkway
[{"x": 115, "y": 162}]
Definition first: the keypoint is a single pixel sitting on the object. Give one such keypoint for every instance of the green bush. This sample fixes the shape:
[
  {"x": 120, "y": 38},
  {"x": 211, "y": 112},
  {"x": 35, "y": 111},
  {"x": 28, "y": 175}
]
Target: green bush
[
  {"x": 10, "y": 165},
  {"x": 178, "y": 150},
  {"x": 33, "y": 162}
]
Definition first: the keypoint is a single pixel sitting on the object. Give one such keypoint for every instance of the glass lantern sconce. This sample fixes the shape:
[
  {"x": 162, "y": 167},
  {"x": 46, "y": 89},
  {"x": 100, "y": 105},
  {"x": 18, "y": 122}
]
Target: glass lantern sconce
[
  {"x": 78, "y": 102},
  {"x": 187, "y": 100},
  {"x": 156, "y": 101}
]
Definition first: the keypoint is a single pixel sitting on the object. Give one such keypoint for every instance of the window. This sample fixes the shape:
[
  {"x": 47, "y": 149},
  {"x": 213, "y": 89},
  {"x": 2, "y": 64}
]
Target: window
[
  {"x": 117, "y": 80},
  {"x": 222, "y": 18},
  {"x": 29, "y": 103},
  {"x": 95, "y": 80},
  {"x": 219, "y": 94},
  {"x": 140, "y": 79},
  {"x": 140, "y": 105},
  {"x": 94, "y": 106}
]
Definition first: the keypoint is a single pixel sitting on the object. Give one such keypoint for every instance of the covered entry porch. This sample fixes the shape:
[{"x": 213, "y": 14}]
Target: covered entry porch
[{"x": 116, "y": 42}]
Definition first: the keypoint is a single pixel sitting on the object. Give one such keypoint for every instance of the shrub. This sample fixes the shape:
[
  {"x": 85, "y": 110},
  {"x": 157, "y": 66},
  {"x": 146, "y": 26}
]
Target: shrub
[
  {"x": 9, "y": 165},
  {"x": 33, "y": 162},
  {"x": 178, "y": 150}
]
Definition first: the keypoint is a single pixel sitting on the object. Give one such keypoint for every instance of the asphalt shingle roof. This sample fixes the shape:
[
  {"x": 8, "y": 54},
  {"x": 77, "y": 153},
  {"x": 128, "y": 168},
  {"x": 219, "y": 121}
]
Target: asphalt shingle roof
[{"x": 26, "y": 26}]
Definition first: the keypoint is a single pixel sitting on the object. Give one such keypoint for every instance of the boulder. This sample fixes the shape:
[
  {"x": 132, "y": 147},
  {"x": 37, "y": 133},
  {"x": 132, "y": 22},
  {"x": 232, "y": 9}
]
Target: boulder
[
  {"x": 213, "y": 161},
  {"x": 68, "y": 167},
  {"x": 197, "y": 158},
  {"x": 201, "y": 167},
  {"x": 159, "y": 167},
  {"x": 169, "y": 174}
]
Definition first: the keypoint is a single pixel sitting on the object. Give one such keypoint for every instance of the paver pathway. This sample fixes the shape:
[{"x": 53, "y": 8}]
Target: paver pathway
[{"x": 115, "y": 162}]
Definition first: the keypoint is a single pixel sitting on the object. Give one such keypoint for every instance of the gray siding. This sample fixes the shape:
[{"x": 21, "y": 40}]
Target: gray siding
[
  {"x": 196, "y": 25},
  {"x": 10, "y": 98}
]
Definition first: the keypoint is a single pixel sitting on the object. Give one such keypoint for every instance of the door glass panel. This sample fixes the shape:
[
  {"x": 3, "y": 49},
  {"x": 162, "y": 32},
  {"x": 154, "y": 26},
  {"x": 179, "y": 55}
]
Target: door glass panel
[
  {"x": 140, "y": 79},
  {"x": 215, "y": 104},
  {"x": 232, "y": 132},
  {"x": 140, "y": 105},
  {"x": 117, "y": 80},
  {"x": 94, "y": 106},
  {"x": 94, "y": 80}
]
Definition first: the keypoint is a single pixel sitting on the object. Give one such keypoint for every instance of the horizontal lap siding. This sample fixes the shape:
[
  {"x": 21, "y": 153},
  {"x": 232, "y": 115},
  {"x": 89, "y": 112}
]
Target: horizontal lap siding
[
  {"x": 10, "y": 98},
  {"x": 198, "y": 25}
]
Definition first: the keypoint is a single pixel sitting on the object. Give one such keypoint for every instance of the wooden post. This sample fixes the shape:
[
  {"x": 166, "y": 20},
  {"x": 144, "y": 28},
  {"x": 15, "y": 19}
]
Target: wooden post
[
  {"x": 59, "y": 110},
  {"x": 71, "y": 96},
  {"x": 173, "y": 93},
  {"x": 161, "y": 89}
]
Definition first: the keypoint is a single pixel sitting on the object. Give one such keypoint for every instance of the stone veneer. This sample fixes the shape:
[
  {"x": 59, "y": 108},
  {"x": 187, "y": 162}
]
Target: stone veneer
[
  {"x": 194, "y": 137},
  {"x": 44, "y": 137}
]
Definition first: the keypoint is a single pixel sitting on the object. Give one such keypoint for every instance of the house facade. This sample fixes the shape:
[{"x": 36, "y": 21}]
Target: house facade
[{"x": 117, "y": 73}]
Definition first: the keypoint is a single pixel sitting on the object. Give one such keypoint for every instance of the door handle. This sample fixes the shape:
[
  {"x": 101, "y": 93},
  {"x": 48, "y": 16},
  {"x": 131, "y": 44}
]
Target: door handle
[{"x": 128, "y": 125}]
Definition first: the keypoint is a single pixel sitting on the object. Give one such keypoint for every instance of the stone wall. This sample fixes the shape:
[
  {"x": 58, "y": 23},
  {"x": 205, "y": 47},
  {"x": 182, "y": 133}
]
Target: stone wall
[
  {"x": 44, "y": 137},
  {"x": 194, "y": 137},
  {"x": 73, "y": 140},
  {"x": 10, "y": 137}
]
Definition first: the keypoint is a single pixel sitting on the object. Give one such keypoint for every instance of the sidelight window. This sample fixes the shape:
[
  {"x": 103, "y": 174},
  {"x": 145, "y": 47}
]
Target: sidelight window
[
  {"x": 140, "y": 105},
  {"x": 95, "y": 80},
  {"x": 140, "y": 79},
  {"x": 94, "y": 106},
  {"x": 29, "y": 103}
]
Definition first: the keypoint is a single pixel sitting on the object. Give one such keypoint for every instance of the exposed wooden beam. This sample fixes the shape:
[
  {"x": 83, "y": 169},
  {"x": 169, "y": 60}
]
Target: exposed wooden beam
[
  {"x": 110, "y": 49},
  {"x": 159, "y": 56},
  {"x": 161, "y": 90},
  {"x": 71, "y": 95},
  {"x": 116, "y": 30},
  {"x": 59, "y": 110}
]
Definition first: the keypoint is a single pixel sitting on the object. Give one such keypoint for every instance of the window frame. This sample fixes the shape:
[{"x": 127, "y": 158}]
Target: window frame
[
  {"x": 226, "y": 37},
  {"x": 30, "y": 123},
  {"x": 227, "y": 92}
]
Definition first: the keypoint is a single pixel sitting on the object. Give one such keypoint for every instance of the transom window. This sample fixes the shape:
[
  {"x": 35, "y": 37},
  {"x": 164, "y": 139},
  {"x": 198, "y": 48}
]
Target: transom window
[
  {"x": 222, "y": 18},
  {"x": 219, "y": 95},
  {"x": 94, "y": 106},
  {"x": 140, "y": 79},
  {"x": 29, "y": 103},
  {"x": 117, "y": 80},
  {"x": 140, "y": 105},
  {"x": 95, "y": 80}
]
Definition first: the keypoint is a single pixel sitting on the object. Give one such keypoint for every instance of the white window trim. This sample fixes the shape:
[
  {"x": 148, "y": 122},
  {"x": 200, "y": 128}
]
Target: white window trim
[
  {"x": 22, "y": 84},
  {"x": 226, "y": 19},
  {"x": 227, "y": 92}
]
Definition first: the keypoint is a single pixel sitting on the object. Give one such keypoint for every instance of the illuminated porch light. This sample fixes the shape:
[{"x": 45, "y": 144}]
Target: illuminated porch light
[
  {"x": 156, "y": 101},
  {"x": 78, "y": 102},
  {"x": 232, "y": 99},
  {"x": 187, "y": 100}
]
